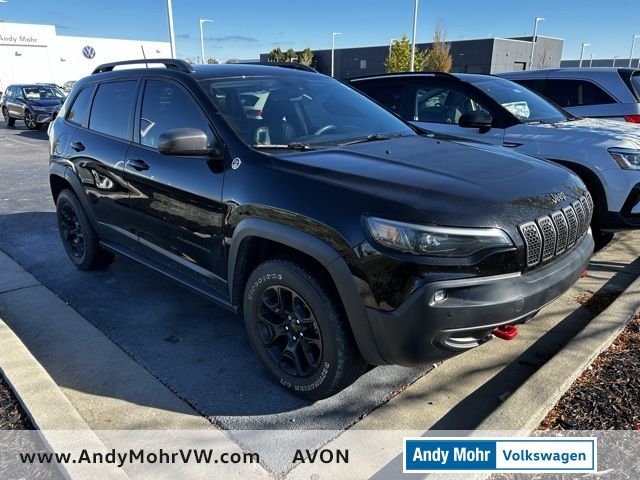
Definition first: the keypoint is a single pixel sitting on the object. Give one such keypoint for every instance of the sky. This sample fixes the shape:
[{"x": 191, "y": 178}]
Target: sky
[{"x": 245, "y": 28}]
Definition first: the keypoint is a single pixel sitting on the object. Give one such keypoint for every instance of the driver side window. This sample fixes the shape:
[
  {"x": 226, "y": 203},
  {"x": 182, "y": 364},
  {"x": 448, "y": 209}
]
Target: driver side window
[
  {"x": 442, "y": 105},
  {"x": 166, "y": 106}
]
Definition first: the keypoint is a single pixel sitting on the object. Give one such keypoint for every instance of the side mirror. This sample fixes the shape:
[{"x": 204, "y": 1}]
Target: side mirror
[
  {"x": 476, "y": 119},
  {"x": 184, "y": 141}
]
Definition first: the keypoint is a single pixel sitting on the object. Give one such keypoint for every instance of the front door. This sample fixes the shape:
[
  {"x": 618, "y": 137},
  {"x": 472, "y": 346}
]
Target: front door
[
  {"x": 438, "y": 106},
  {"x": 176, "y": 201}
]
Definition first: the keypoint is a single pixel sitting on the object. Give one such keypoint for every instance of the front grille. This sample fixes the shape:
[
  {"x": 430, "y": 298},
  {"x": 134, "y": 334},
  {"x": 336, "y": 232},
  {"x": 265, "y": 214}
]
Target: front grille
[{"x": 550, "y": 236}]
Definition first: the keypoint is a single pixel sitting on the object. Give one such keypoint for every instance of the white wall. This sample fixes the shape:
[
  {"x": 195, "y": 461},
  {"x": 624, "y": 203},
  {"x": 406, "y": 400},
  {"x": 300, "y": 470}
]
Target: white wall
[{"x": 34, "y": 53}]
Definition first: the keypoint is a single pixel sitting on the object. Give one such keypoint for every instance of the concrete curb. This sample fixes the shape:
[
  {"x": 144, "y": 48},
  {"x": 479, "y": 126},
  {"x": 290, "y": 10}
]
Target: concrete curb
[
  {"x": 527, "y": 407},
  {"x": 46, "y": 406}
]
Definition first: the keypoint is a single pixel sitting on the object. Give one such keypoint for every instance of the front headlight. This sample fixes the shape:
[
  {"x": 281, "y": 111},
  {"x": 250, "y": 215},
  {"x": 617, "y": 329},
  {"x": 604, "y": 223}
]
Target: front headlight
[
  {"x": 626, "y": 158},
  {"x": 41, "y": 109},
  {"x": 435, "y": 241}
]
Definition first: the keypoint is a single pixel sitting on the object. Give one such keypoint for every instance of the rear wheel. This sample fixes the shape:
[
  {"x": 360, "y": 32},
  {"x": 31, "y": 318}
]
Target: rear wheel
[
  {"x": 7, "y": 118},
  {"x": 78, "y": 237},
  {"x": 299, "y": 330},
  {"x": 30, "y": 121}
]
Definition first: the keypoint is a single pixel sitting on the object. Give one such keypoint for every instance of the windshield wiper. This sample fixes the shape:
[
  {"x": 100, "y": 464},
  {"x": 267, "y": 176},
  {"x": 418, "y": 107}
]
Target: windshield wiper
[
  {"x": 370, "y": 138},
  {"x": 546, "y": 122},
  {"x": 290, "y": 146}
]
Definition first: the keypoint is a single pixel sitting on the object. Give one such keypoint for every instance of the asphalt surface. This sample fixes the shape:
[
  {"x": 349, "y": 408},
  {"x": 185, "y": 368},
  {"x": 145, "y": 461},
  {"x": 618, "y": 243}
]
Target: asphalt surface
[{"x": 196, "y": 349}]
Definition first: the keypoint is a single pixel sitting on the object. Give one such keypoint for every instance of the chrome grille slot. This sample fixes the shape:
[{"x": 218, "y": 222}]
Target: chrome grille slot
[
  {"x": 562, "y": 229},
  {"x": 549, "y": 238},
  {"x": 572, "y": 220},
  {"x": 588, "y": 212},
  {"x": 590, "y": 202},
  {"x": 533, "y": 242},
  {"x": 577, "y": 206}
]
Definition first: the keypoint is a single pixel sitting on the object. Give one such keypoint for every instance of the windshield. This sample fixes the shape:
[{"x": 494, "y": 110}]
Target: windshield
[
  {"x": 526, "y": 105},
  {"x": 313, "y": 110},
  {"x": 38, "y": 92}
]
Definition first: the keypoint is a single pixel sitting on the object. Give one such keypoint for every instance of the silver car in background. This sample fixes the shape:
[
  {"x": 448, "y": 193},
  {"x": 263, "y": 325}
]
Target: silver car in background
[{"x": 608, "y": 93}]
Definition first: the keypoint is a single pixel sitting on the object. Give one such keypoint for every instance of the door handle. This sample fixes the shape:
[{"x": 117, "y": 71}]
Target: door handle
[
  {"x": 138, "y": 164},
  {"x": 77, "y": 146}
]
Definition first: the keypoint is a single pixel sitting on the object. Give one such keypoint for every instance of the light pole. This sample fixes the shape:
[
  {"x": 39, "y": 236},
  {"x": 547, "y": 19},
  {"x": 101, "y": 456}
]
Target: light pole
[
  {"x": 614, "y": 61},
  {"x": 591, "y": 61},
  {"x": 333, "y": 50},
  {"x": 413, "y": 39},
  {"x": 533, "y": 40},
  {"x": 391, "y": 40},
  {"x": 633, "y": 44},
  {"x": 582, "y": 52},
  {"x": 172, "y": 36},
  {"x": 202, "y": 22}
]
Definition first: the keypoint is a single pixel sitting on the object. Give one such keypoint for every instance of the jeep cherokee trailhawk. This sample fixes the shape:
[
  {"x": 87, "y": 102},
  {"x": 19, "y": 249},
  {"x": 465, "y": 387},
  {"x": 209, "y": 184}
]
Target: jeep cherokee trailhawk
[{"x": 343, "y": 235}]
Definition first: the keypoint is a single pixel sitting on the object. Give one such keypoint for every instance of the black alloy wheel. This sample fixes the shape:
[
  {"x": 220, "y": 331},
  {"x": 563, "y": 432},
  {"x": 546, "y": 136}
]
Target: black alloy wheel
[
  {"x": 71, "y": 231},
  {"x": 289, "y": 331}
]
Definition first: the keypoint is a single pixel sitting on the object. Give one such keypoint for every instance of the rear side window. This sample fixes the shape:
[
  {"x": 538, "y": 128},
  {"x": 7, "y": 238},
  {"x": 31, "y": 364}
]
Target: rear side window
[
  {"x": 537, "y": 85},
  {"x": 165, "y": 106},
  {"x": 389, "y": 95},
  {"x": 576, "y": 93},
  {"x": 635, "y": 81},
  {"x": 113, "y": 107},
  {"x": 79, "y": 111}
]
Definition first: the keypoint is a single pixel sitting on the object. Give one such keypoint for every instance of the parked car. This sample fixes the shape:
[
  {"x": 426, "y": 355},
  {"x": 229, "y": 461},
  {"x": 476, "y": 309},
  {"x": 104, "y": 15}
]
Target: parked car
[
  {"x": 253, "y": 103},
  {"x": 33, "y": 104},
  {"x": 341, "y": 234},
  {"x": 67, "y": 86},
  {"x": 605, "y": 154},
  {"x": 607, "y": 93}
]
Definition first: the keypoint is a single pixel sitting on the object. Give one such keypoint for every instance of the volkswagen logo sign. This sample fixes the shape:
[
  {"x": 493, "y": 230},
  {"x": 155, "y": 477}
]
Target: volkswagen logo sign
[{"x": 88, "y": 52}]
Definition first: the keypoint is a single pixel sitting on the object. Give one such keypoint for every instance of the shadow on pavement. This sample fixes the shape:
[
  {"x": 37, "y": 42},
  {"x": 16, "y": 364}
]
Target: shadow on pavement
[{"x": 198, "y": 350}]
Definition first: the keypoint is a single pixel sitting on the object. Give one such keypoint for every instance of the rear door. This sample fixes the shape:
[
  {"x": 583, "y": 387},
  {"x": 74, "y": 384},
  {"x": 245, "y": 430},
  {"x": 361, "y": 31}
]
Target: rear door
[
  {"x": 176, "y": 201},
  {"x": 100, "y": 122},
  {"x": 580, "y": 97}
]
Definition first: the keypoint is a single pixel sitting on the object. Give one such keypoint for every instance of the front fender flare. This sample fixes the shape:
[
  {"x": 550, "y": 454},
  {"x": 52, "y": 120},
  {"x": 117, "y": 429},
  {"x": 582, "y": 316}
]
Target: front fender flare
[{"x": 329, "y": 258}]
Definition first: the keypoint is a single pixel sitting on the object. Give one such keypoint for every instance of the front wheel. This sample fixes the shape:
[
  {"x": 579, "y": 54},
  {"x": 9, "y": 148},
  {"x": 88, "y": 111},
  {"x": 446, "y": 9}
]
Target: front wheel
[
  {"x": 30, "y": 121},
  {"x": 78, "y": 237},
  {"x": 299, "y": 331},
  {"x": 7, "y": 118}
]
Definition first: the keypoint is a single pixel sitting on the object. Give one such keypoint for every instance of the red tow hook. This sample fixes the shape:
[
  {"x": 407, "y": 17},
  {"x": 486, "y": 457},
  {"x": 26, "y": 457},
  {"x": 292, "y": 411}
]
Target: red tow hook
[
  {"x": 506, "y": 332},
  {"x": 584, "y": 274}
]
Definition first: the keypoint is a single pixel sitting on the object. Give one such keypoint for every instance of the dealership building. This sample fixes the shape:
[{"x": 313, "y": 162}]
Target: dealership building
[
  {"x": 36, "y": 53},
  {"x": 483, "y": 55}
]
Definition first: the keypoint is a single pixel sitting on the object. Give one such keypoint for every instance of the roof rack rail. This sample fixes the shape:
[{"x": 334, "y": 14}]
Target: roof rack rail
[
  {"x": 292, "y": 65},
  {"x": 403, "y": 74},
  {"x": 167, "y": 62}
]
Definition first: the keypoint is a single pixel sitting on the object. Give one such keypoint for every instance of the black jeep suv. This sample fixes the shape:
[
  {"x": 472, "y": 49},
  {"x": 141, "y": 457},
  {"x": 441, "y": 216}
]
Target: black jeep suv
[
  {"x": 344, "y": 236},
  {"x": 33, "y": 104}
]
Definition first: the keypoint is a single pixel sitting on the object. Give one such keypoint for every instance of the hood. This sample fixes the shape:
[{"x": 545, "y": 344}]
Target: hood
[
  {"x": 443, "y": 182},
  {"x": 591, "y": 132},
  {"x": 46, "y": 102}
]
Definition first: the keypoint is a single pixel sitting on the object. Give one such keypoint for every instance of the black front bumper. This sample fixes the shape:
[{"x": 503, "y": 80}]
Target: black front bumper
[{"x": 422, "y": 331}]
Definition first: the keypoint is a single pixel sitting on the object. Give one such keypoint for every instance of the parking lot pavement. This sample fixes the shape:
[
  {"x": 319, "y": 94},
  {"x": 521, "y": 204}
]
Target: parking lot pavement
[{"x": 196, "y": 349}]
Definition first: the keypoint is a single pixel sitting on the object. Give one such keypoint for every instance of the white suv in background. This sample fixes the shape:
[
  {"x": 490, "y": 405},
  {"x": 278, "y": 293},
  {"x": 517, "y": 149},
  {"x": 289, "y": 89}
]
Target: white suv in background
[
  {"x": 608, "y": 93},
  {"x": 605, "y": 154}
]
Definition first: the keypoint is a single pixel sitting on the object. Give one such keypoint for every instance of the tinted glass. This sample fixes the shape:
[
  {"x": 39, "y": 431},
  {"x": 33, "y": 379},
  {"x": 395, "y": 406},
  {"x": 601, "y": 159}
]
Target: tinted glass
[
  {"x": 442, "y": 105},
  {"x": 388, "y": 95},
  {"x": 36, "y": 92},
  {"x": 113, "y": 107},
  {"x": 635, "y": 81},
  {"x": 576, "y": 93},
  {"x": 79, "y": 111},
  {"x": 526, "y": 105},
  {"x": 310, "y": 109},
  {"x": 165, "y": 106},
  {"x": 537, "y": 85}
]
